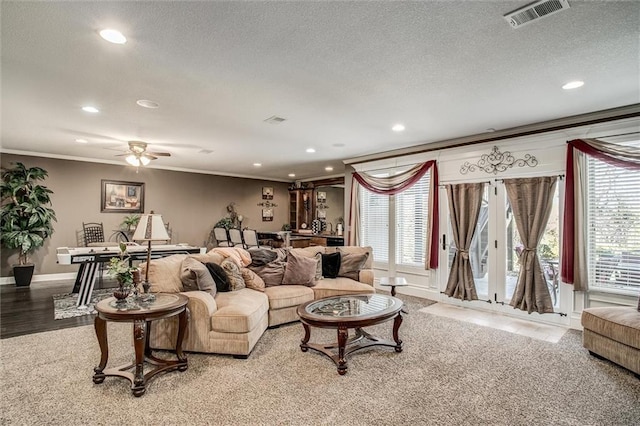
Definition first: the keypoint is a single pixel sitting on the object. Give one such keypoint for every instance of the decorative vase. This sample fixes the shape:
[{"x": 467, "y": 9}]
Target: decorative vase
[{"x": 121, "y": 294}]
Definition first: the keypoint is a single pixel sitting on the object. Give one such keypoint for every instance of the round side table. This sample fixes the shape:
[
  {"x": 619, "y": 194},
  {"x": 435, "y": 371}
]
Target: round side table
[
  {"x": 140, "y": 314},
  {"x": 394, "y": 282}
]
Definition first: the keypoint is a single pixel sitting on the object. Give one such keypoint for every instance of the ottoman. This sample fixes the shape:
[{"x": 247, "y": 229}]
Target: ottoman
[{"x": 613, "y": 333}]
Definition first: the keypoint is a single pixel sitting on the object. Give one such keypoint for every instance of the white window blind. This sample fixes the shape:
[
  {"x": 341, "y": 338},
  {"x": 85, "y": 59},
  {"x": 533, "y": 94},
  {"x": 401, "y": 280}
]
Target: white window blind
[
  {"x": 614, "y": 226},
  {"x": 411, "y": 216},
  {"x": 374, "y": 224}
]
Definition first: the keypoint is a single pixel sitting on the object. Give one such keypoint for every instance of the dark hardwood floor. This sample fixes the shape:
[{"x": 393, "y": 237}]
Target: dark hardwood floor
[{"x": 30, "y": 310}]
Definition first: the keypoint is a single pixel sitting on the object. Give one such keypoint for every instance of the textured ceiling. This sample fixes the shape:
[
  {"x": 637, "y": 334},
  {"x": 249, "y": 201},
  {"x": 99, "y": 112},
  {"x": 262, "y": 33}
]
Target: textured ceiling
[{"x": 341, "y": 73}]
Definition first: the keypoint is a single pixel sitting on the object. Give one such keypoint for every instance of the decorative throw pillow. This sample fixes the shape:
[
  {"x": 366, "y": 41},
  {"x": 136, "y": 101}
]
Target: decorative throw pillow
[
  {"x": 196, "y": 276},
  {"x": 271, "y": 273},
  {"x": 330, "y": 265},
  {"x": 300, "y": 270},
  {"x": 252, "y": 280},
  {"x": 233, "y": 272},
  {"x": 351, "y": 264},
  {"x": 261, "y": 257},
  {"x": 219, "y": 276}
]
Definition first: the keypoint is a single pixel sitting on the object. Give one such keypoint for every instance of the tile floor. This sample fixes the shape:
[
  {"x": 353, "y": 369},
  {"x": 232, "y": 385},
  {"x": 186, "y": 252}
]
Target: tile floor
[{"x": 548, "y": 333}]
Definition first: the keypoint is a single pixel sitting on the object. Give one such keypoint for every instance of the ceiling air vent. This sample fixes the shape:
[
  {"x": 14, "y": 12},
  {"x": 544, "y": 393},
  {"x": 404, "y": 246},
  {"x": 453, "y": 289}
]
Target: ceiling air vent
[
  {"x": 274, "y": 120},
  {"x": 534, "y": 11}
]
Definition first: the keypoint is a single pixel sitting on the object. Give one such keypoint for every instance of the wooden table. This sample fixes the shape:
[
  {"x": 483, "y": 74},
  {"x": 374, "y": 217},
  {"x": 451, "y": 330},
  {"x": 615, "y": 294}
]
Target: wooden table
[
  {"x": 345, "y": 312},
  {"x": 140, "y": 314},
  {"x": 394, "y": 282}
]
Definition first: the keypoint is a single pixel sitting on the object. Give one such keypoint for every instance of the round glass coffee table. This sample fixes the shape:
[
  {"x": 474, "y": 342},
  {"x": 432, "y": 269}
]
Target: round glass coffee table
[
  {"x": 140, "y": 313},
  {"x": 345, "y": 312}
]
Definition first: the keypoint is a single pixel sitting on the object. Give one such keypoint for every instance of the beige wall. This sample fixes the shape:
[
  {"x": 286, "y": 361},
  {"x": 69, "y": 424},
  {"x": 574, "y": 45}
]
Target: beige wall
[{"x": 191, "y": 202}]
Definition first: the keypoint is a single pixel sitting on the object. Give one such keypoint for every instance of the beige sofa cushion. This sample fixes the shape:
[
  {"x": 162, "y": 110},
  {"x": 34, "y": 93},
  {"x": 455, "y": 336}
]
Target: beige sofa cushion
[
  {"x": 621, "y": 324},
  {"x": 210, "y": 257},
  {"x": 164, "y": 274},
  {"x": 285, "y": 296},
  {"x": 340, "y": 286},
  {"x": 239, "y": 311}
]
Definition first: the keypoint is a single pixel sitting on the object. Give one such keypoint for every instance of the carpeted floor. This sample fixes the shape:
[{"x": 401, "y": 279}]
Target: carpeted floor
[
  {"x": 450, "y": 373},
  {"x": 64, "y": 305}
]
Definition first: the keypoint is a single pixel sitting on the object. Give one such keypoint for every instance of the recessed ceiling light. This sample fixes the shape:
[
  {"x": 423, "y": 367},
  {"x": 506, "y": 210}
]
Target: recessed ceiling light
[
  {"x": 82, "y": 141},
  {"x": 398, "y": 128},
  {"x": 257, "y": 164},
  {"x": 329, "y": 168},
  {"x": 147, "y": 103},
  {"x": 573, "y": 85},
  {"x": 311, "y": 150},
  {"x": 90, "y": 109},
  {"x": 291, "y": 175},
  {"x": 113, "y": 36}
]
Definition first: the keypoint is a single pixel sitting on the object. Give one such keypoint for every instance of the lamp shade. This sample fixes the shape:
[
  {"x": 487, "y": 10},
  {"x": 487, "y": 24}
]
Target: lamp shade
[{"x": 151, "y": 228}]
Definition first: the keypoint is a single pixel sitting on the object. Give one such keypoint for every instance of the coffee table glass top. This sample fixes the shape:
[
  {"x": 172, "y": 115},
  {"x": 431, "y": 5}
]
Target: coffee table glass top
[
  {"x": 352, "y": 306},
  {"x": 131, "y": 304}
]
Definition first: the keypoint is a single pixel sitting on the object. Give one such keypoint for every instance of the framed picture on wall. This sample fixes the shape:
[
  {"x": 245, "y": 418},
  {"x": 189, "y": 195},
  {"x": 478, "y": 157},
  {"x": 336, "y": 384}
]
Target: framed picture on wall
[
  {"x": 267, "y": 193},
  {"x": 122, "y": 197},
  {"x": 267, "y": 215}
]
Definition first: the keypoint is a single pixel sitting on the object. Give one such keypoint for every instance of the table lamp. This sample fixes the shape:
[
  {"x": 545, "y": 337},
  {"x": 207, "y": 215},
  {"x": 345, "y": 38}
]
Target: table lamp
[{"x": 150, "y": 228}]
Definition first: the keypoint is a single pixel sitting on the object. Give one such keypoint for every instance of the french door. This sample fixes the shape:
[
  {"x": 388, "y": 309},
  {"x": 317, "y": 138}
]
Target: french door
[{"x": 495, "y": 251}]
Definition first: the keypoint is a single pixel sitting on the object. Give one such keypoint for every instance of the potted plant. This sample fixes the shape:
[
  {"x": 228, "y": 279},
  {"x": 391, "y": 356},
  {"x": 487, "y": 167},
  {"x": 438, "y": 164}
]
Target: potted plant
[
  {"x": 25, "y": 216},
  {"x": 119, "y": 269},
  {"x": 130, "y": 222}
]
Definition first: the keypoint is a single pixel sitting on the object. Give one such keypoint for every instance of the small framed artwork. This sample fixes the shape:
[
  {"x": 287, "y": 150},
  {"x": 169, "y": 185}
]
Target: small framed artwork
[
  {"x": 121, "y": 197},
  {"x": 322, "y": 214},
  {"x": 321, "y": 197},
  {"x": 267, "y": 215},
  {"x": 267, "y": 193}
]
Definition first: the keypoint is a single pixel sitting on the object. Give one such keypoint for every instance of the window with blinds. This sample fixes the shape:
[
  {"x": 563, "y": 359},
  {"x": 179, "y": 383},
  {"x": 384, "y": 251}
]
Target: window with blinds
[
  {"x": 614, "y": 226},
  {"x": 411, "y": 223},
  {"x": 411, "y": 215},
  {"x": 374, "y": 224}
]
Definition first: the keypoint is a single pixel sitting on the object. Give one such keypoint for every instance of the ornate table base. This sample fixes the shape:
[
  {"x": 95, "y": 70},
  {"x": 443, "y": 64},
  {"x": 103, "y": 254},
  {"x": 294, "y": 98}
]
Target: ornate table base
[{"x": 346, "y": 345}]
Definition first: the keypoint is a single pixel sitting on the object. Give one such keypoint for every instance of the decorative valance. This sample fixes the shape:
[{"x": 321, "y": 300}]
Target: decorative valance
[{"x": 573, "y": 265}]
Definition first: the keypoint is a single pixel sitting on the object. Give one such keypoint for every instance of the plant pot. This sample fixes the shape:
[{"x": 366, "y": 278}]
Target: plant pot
[{"x": 23, "y": 274}]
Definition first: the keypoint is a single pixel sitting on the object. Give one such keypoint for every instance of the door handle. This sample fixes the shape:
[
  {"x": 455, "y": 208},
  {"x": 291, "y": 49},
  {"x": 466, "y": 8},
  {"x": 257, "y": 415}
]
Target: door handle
[{"x": 444, "y": 241}]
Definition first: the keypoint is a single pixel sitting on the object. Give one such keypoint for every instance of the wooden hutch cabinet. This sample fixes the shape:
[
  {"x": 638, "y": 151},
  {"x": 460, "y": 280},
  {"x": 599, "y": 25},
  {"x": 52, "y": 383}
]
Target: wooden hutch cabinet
[{"x": 301, "y": 207}]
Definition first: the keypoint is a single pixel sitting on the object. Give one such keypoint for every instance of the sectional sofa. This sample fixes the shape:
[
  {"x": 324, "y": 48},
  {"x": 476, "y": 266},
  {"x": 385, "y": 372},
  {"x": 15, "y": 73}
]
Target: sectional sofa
[{"x": 233, "y": 322}]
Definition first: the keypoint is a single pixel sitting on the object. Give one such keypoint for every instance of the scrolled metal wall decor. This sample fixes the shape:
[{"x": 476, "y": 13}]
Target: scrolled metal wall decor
[{"x": 497, "y": 161}]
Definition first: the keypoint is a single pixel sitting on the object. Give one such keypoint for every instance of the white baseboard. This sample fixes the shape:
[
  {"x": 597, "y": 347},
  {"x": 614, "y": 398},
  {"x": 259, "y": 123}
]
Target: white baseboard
[{"x": 42, "y": 278}]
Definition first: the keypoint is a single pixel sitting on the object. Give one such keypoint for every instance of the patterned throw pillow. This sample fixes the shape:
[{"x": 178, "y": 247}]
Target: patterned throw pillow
[
  {"x": 233, "y": 272},
  {"x": 351, "y": 264},
  {"x": 300, "y": 270},
  {"x": 252, "y": 280}
]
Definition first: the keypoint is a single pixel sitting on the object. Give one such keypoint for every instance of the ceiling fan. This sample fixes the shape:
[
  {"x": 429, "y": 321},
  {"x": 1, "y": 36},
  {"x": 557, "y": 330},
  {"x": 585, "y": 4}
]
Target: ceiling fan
[{"x": 139, "y": 156}]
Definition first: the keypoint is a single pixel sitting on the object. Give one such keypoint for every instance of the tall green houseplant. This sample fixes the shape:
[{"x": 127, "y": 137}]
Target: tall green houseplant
[{"x": 25, "y": 216}]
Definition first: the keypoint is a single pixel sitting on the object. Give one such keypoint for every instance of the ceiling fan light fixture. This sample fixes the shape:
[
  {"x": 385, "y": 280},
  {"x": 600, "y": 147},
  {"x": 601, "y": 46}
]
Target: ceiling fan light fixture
[
  {"x": 133, "y": 160},
  {"x": 145, "y": 160}
]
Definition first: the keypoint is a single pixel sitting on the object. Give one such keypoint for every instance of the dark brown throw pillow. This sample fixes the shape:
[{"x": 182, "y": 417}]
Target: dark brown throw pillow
[
  {"x": 300, "y": 270},
  {"x": 351, "y": 264},
  {"x": 331, "y": 265},
  {"x": 219, "y": 276}
]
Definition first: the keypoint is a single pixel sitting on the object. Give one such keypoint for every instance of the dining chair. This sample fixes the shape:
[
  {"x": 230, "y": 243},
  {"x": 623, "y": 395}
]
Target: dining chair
[
  {"x": 93, "y": 232},
  {"x": 250, "y": 238},
  {"x": 235, "y": 236},
  {"x": 222, "y": 237}
]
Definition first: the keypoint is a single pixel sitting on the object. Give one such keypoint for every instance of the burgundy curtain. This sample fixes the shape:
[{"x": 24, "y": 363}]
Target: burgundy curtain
[
  {"x": 395, "y": 184},
  {"x": 614, "y": 154}
]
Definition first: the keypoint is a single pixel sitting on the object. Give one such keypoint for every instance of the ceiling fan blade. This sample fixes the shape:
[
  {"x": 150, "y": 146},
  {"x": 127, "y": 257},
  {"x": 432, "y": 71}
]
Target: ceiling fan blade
[
  {"x": 123, "y": 155},
  {"x": 160, "y": 154},
  {"x": 150, "y": 155}
]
